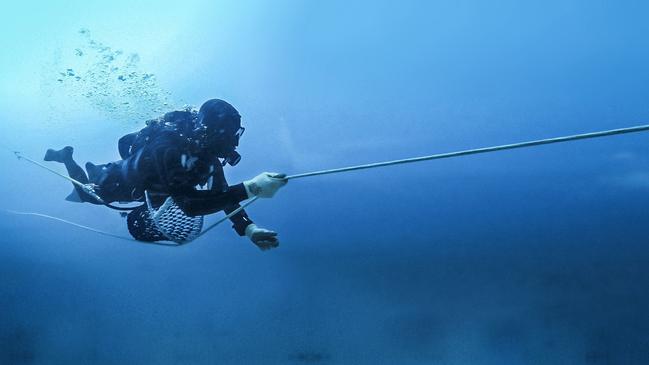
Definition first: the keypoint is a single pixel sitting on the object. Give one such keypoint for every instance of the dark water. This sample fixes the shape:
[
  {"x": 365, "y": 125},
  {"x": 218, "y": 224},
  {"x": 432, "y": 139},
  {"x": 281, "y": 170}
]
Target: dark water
[{"x": 563, "y": 289}]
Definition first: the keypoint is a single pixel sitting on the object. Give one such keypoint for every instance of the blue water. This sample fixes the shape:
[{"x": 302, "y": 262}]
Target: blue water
[{"x": 535, "y": 256}]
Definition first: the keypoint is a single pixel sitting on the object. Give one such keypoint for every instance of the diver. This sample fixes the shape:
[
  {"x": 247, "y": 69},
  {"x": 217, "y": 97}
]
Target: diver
[{"x": 173, "y": 156}]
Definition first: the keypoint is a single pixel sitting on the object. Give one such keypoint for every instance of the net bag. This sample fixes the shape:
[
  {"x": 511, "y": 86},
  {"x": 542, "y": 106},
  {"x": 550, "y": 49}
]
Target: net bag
[{"x": 166, "y": 223}]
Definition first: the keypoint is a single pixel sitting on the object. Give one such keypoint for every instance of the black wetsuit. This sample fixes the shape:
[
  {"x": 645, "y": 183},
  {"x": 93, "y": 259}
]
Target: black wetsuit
[{"x": 163, "y": 160}]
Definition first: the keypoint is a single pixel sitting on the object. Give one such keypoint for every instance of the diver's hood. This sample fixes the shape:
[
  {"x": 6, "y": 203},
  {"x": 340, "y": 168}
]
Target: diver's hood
[{"x": 218, "y": 129}]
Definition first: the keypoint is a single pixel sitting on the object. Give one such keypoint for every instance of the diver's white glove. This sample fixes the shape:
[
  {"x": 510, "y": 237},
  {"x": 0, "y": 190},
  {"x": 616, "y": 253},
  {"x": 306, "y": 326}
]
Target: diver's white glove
[
  {"x": 265, "y": 185},
  {"x": 262, "y": 238}
]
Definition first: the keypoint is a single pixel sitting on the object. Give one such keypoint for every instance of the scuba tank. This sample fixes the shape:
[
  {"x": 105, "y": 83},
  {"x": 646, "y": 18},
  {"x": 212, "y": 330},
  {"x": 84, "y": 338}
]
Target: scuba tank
[{"x": 179, "y": 122}]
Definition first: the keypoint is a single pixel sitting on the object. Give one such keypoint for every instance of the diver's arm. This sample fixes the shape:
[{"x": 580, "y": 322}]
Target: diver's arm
[
  {"x": 200, "y": 202},
  {"x": 240, "y": 221},
  {"x": 204, "y": 202},
  {"x": 208, "y": 202}
]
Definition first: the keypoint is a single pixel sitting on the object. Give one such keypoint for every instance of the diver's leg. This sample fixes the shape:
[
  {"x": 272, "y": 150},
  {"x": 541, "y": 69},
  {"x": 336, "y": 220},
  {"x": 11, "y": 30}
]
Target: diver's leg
[{"x": 64, "y": 156}]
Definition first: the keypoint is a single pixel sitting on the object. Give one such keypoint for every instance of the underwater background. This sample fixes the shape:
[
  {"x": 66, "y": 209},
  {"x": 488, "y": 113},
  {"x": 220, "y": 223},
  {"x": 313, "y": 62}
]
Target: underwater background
[{"x": 535, "y": 256}]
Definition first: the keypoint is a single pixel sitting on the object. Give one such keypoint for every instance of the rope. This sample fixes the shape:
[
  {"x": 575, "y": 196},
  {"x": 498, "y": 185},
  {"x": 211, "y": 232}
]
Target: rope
[
  {"x": 242, "y": 207},
  {"x": 20, "y": 156},
  {"x": 474, "y": 151},
  {"x": 86, "y": 188},
  {"x": 83, "y": 227}
]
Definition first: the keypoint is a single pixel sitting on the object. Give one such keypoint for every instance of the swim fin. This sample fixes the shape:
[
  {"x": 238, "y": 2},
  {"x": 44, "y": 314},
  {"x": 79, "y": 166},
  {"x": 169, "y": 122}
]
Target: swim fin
[
  {"x": 62, "y": 155},
  {"x": 74, "y": 197}
]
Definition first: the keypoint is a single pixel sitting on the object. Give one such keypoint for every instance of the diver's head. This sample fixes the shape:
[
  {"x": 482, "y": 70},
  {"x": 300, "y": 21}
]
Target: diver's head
[{"x": 218, "y": 130}]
